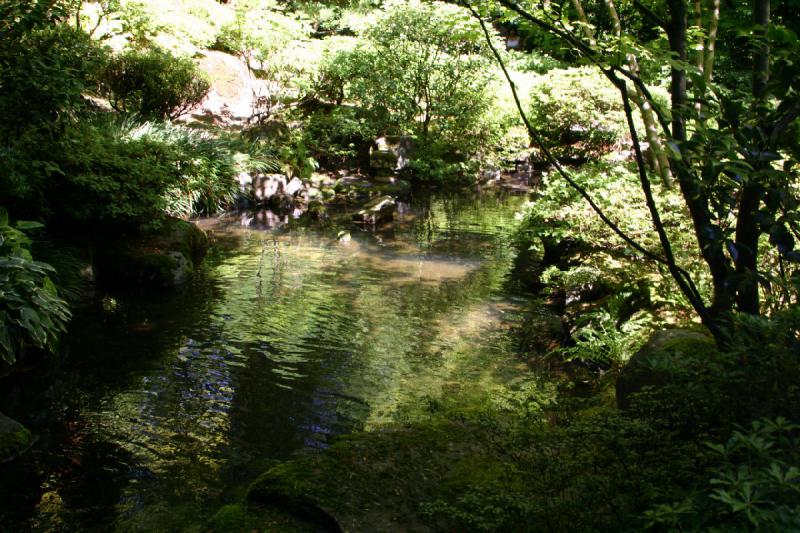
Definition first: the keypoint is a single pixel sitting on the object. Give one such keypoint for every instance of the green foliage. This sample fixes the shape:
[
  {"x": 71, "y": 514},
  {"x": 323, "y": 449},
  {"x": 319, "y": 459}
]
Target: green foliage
[
  {"x": 48, "y": 66},
  {"x": 206, "y": 166},
  {"x": 153, "y": 83},
  {"x": 559, "y": 215},
  {"x": 337, "y": 135},
  {"x": 125, "y": 174},
  {"x": 440, "y": 163},
  {"x": 705, "y": 392},
  {"x": 423, "y": 70},
  {"x": 31, "y": 312},
  {"x": 201, "y": 168},
  {"x": 111, "y": 176},
  {"x": 533, "y": 61},
  {"x": 577, "y": 112},
  {"x": 753, "y": 485},
  {"x": 758, "y": 481},
  {"x": 259, "y": 28},
  {"x": 601, "y": 340}
]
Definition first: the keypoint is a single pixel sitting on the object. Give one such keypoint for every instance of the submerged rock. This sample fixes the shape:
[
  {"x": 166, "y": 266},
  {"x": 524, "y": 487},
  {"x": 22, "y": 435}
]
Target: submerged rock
[
  {"x": 15, "y": 439},
  {"x": 166, "y": 258}
]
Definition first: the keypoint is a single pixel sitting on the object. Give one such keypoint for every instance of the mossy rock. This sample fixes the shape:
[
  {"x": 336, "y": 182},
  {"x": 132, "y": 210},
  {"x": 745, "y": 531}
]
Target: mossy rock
[
  {"x": 237, "y": 518},
  {"x": 651, "y": 366},
  {"x": 317, "y": 210},
  {"x": 394, "y": 187},
  {"x": 15, "y": 439},
  {"x": 372, "y": 481},
  {"x": 164, "y": 258},
  {"x": 283, "y": 487}
]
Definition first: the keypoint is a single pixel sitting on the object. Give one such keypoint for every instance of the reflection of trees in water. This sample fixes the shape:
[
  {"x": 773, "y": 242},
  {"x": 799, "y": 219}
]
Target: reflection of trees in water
[{"x": 283, "y": 341}]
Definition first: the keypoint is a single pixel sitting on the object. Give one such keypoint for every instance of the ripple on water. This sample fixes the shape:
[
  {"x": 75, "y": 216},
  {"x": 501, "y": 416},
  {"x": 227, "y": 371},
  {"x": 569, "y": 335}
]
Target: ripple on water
[{"x": 286, "y": 339}]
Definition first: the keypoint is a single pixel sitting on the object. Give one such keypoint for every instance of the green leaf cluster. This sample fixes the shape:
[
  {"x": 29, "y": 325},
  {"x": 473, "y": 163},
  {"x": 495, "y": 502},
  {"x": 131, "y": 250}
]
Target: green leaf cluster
[
  {"x": 153, "y": 84},
  {"x": 31, "y": 311}
]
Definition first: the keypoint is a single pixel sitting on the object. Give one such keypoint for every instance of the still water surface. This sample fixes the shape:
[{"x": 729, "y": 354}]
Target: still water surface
[{"x": 166, "y": 405}]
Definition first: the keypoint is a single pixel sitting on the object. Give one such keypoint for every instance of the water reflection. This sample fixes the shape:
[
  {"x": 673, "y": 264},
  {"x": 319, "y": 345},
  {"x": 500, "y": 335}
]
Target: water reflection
[{"x": 169, "y": 404}]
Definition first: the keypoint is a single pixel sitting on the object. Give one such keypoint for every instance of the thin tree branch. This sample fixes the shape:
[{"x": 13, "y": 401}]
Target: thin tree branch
[
  {"x": 649, "y": 13},
  {"x": 549, "y": 156},
  {"x": 682, "y": 277}
]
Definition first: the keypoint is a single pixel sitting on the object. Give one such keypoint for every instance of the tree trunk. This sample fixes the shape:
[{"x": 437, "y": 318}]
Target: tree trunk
[
  {"x": 710, "y": 245},
  {"x": 747, "y": 233}
]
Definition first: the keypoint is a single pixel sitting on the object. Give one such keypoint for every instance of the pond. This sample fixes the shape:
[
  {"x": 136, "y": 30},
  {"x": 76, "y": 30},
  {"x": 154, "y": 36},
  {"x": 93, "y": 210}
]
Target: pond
[{"x": 165, "y": 405}]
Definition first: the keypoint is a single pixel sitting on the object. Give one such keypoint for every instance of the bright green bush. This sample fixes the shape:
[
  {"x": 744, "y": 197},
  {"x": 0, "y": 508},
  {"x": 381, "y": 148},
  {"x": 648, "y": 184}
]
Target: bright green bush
[
  {"x": 423, "y": 70},
  {"x": 259, "y": 27},
  {"x": 153, "y": 83},
  {"x": 577, "y": 112},
  {"x": 31, "y": 311},
  {"x": 532, "y": 61},
  {"x": 336, "y": 136},
  {"x": 559, "y": 214}
]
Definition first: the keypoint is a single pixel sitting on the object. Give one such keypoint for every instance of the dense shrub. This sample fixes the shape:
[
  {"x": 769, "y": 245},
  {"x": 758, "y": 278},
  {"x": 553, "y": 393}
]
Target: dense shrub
[
  {"x": 422, "y": 70},
  {"x": 752, "y": 485},
  {"x": 577, "y": 112},
  {"x": 45, "y": 71},
  {"x": 31, "y": 311},
  {"x": 338, "y": 136},
  {"x": 107, "y": 176},
  {"x": 153, "y": 83}
]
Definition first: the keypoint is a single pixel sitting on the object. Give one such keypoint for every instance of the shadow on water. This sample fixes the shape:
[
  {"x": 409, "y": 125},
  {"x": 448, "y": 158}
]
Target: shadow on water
[{"x": 165, "y": 405}]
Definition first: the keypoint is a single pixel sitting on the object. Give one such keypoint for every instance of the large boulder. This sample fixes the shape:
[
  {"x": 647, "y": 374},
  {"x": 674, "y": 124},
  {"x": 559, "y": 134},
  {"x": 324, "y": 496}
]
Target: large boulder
[
  {"x": 645, "y": 368},
  {"x": 15, "y": 439},
  {"x": 265, "y": 186},
  {"x": 165, "y": 258},
  {"x": 234, "y": 91}
]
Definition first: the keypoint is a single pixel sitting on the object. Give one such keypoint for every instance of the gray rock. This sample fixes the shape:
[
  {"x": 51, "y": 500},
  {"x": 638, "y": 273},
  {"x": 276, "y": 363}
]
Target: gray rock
[
  {"x": 265, "y": 186},
  {"x": 281, "y": 202},
  {"x": 376, "y": 211},
  {"x": 293, "y": 187},
  {"x": 391, "y": 153}
]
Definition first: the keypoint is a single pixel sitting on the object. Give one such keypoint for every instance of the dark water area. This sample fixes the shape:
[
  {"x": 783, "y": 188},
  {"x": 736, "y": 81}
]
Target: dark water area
[{"x": 164, "y": 405}]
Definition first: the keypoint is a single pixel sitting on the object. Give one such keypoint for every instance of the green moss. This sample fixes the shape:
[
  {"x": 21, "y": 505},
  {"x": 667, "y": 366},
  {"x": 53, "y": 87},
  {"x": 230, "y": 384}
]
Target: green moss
[
  {"x": 14, "y": 443},
  {"x": 690, "y": 346},
  {"x": 369, "y": 481},
  {"x": 242, "y": 519},
  {"x": 474, "y": 472}
]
